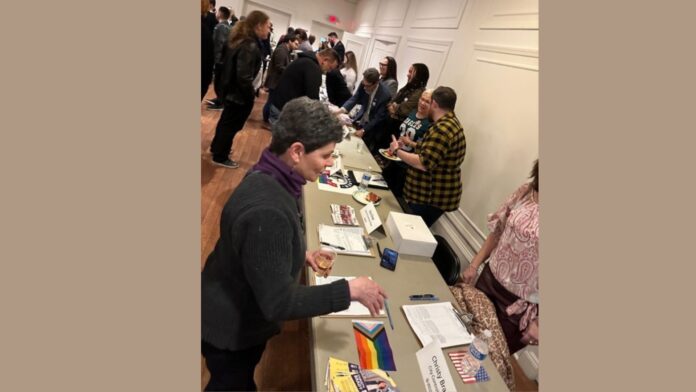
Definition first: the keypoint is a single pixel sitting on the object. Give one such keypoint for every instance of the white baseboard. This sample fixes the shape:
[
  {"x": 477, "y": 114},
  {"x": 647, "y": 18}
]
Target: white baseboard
[{"x": 461, "y": 233}]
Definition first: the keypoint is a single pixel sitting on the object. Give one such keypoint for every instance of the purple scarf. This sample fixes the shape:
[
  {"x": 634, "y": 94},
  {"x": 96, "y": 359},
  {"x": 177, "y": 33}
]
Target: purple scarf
[{"x": 281, "y": 172}]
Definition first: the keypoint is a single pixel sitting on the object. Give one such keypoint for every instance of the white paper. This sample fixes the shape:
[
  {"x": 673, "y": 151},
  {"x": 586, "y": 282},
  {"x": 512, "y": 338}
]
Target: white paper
[
  {"x": 438, "y": 322},
  {"x": 355, "y": 308},
  {"x": 370, "y": 218},
  {"x": 434, "y": 369},
  {"x": 349, "y": 238}
]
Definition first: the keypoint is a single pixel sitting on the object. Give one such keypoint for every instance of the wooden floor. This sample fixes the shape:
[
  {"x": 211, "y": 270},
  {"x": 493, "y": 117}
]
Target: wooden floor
[{"x": 285, "y": 363}]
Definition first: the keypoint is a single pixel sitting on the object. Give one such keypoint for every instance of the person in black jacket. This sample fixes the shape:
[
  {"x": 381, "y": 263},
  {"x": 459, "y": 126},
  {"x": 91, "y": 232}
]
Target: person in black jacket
[
  {"x": 337, "y": 45},
  {"x": 336, "y": 88},
  {"x": 249, "y": 284},
  {"x": 207, "y": 51},
  {"x": 242, "y": 64},
  {"x": 302, "y": 78}
]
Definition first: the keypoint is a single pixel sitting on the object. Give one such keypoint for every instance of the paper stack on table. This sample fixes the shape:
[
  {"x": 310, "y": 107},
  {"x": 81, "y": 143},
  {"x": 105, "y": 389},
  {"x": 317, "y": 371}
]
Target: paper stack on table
[{"x": 437, "y": 321}]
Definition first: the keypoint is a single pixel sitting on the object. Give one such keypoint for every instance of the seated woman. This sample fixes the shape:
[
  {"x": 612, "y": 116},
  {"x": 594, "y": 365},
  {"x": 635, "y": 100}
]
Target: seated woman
[
  {"x": 511, "y": 278},
  {"x": 412, "y": 129}
]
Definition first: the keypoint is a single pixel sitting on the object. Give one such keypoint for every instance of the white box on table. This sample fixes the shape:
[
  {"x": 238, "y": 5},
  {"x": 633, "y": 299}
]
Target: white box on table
[{"x": 410, "y": 234}]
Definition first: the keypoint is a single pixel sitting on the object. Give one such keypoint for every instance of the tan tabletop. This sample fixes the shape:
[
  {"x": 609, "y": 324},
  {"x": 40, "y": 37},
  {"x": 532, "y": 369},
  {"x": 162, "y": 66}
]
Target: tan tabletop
[{"x": 333, "y": 336}]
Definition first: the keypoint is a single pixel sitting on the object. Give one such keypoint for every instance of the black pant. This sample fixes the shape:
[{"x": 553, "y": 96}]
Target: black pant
[
  {"x": 217, "y": 82},
  {"x": 429, "y": 213},
  {"x": 231, "y": 121},
  {"x": 231, "y": 370}
]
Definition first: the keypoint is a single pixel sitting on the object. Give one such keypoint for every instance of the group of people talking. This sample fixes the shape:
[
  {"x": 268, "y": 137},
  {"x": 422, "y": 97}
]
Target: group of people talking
[{"x": 250, "y": 282}]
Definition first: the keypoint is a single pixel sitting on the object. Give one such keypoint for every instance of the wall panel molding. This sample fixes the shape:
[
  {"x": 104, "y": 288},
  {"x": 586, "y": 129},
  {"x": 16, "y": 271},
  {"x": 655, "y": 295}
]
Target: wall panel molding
[
  {"x": 430, "y": 45},
  {"x": 512, "y": 64},
  {"x": 504, "y": 49},
  {"x": 513, "y": 21},
  {"x": 438, "y": 14},
  {"x": 392, "y": 13}
]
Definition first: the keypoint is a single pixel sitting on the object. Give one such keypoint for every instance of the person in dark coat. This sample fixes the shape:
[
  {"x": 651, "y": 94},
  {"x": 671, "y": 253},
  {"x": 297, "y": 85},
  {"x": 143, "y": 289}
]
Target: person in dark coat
[
  {"x": 337, "y": 45},
  {"x": 302, "y": 78},
  {"x": 242, "y": 64},
  {"x": 250, "y": 282}
]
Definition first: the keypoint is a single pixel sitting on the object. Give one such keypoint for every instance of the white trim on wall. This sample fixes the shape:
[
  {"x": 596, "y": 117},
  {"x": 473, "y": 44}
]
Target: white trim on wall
[
  {"x": 438, "y": 46},
  {"x": 461, "y": 233},
  {"x": 449, "y": 19},
  {"x": 513, "y": 21},
  {"x": 504, "y": 49},
  {"x": 387, "y": 13}
]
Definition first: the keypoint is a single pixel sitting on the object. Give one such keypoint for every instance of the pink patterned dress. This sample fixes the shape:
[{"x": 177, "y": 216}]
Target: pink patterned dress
[{"x": 515, "y": 260}]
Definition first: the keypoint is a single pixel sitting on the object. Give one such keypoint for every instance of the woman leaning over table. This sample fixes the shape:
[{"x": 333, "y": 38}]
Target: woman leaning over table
[
  {"x": 511, "y": 278},
  {"x": 250, "y": 280}
]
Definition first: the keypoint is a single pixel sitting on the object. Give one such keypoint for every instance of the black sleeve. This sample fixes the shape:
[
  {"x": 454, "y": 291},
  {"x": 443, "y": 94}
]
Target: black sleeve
[{"x": 268, "y": 265}]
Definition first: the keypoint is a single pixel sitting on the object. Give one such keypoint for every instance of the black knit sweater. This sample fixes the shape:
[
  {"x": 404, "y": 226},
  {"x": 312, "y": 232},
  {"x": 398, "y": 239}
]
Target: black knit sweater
[{"x": 250, "y": 280}]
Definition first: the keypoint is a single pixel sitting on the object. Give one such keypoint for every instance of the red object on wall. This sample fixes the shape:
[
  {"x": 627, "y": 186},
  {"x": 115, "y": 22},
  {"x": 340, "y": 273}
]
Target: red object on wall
[{"x": 333, "y": 19}]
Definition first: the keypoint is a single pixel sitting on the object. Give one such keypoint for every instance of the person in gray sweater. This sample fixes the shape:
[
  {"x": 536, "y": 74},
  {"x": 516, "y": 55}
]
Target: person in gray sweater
[{"x": 250, "y": 280}]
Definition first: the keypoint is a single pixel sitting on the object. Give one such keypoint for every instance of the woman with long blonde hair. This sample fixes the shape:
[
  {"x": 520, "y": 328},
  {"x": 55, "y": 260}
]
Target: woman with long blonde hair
[
  {"x": 242, "y": 63},
  {"x": 349, "y": 70}
]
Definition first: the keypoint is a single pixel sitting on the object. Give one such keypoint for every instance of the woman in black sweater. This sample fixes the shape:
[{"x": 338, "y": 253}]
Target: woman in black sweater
[{"x": 250, "y": 280}]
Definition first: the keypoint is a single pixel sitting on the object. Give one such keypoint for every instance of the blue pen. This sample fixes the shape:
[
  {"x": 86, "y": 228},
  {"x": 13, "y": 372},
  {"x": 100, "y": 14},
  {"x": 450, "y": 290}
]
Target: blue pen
[
  {"x": 386, "y": 307},
  {"x": 423, "y": 297}
]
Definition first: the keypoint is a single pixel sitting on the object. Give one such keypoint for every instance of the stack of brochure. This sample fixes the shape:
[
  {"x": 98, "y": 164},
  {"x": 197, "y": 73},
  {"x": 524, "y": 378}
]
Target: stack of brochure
[{"x": 342, "y": 376}]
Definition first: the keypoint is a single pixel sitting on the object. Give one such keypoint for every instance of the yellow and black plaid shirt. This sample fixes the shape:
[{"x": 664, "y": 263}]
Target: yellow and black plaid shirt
[{"x": 442, "y": 152}]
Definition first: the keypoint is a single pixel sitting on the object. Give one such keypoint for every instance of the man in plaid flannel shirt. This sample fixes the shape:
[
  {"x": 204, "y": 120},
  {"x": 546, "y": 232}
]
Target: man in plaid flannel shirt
[{"x": 433, "y": 180}]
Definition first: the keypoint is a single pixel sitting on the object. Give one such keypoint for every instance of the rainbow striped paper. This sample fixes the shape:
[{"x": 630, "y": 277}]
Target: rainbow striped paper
[{"x": 373, "y": 346}]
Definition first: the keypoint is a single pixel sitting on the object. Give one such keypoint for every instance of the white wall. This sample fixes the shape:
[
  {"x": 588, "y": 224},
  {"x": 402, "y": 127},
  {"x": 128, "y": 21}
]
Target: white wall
[
  {"x": 487, "y": 51},
  {"x": 302, "y": 12}
]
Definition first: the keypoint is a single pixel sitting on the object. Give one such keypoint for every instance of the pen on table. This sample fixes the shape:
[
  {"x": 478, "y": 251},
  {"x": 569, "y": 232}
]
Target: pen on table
[
  {"x": 423, "y": 297},
  {"x": 379, "y": 250},
  {"x": 386, "y": 307},
  {"x": 333, "y": 246}
]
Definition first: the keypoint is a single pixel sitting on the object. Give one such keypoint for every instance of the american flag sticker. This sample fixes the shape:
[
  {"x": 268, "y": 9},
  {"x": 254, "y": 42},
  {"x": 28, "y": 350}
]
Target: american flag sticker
[{"x": 457, "y": 358}]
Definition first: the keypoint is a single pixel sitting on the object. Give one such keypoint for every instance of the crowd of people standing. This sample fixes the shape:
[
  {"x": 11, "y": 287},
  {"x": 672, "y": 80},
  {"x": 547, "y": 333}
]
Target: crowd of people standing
[{"x": 415, "y": 124}]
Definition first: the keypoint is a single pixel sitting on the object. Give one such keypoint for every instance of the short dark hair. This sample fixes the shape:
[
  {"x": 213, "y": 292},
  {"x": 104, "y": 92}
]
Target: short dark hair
[
  {"x": 371, "y": 75},
  {"x": 311, "y": 39},
  {"x": 224, "y": 11},
  {"x": 306, "y": 121},
  {"x": 330, "y": 53},
  {"x": 333, "y": 34},
  {"x": 212, "y": 2},
  {"x": 445, "y": 97},
  {"x": 301, "y": 33},
  {"x": 289, "y": 37}
]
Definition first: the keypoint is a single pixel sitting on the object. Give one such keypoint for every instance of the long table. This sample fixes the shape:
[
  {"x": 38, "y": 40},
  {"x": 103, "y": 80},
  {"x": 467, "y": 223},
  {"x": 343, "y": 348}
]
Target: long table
[{"x": 333, "y": 336}]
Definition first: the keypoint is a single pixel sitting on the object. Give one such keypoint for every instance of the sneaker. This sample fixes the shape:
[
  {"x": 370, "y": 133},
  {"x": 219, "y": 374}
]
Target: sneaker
[
  {"x": 213, "y": 101},
  {"x": 228, "y": 163},
  {"x": 215, "y": 107}
]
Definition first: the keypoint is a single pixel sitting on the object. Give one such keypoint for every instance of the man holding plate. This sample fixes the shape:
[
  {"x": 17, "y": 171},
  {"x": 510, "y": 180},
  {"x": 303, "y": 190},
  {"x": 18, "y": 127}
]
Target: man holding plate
[{"x": 433, "y": 179}]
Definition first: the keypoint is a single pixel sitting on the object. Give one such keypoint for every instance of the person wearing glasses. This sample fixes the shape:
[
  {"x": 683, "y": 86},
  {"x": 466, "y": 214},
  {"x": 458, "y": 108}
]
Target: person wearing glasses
[
  {"x": 373, "y": 97},
  {"x": 434, "y": 176},
  {"x": 387, "y": 74}
]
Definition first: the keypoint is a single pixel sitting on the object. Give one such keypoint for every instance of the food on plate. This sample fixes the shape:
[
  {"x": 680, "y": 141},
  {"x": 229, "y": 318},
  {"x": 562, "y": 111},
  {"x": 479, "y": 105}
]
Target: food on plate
[{"x": 372, "y": 197}]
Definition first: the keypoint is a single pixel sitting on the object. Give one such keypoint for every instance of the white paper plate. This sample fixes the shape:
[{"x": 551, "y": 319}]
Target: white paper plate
[
  {"x": 360, "y": 196},
  {"x": 385, "y": 153}
]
